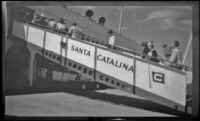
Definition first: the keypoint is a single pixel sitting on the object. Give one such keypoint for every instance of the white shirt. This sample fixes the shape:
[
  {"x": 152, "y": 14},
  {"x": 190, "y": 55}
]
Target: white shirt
[
  {"x": 52, "y": 23},
  {"x": 74, "y": 29},
  {"x": 112, "y": 40},
  {"x": 176, "y": 56},
  {"x": 150, "y": 53},
  {"x": 60, "y": 26}
]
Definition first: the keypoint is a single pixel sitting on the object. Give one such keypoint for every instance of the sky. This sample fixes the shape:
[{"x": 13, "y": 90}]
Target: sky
[{"x": 161, "y": 24}]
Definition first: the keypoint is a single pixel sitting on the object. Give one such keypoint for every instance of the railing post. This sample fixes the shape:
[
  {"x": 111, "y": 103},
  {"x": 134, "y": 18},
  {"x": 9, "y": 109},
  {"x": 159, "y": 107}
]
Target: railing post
[
  {"x": 134, "y": 74},
  {"x": 44, "y": 41},
  {"x": 61, "y": 47}
]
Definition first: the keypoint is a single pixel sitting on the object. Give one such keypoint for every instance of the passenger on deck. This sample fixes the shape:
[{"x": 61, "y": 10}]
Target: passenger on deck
[
  {"x": 75, "y": 31},
  {"x": 152, "y": 53},
  {"x": 43, "y": 20},
  {"x": 51, "y": 23},
  {"x": 111, "y": 38},
  {"x": 167, "y": 52},
  {"x": 36, "y": 18},
  {"x": 60, "y": 26},
  {"x": 176, "y": 56},
  {"x": 145, "y": 50}
]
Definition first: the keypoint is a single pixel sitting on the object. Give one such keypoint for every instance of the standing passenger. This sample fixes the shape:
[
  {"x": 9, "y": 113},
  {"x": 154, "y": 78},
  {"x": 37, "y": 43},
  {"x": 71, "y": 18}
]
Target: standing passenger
[
  {"x": 111, "y": 38},
  {"x": 51, "y": 23},
  {"x": 145, "y": 50},
  {"x": 60, "y": 26},
  {"x": 176, "y": 56},
  {"x": 152, "y": 53},
  {"x": 167, "y": 51},
  {"x": 74, "y": 30}
]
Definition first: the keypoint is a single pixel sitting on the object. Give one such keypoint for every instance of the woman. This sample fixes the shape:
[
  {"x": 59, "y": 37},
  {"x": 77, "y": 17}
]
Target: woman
[{"x": 152, "y": 53}]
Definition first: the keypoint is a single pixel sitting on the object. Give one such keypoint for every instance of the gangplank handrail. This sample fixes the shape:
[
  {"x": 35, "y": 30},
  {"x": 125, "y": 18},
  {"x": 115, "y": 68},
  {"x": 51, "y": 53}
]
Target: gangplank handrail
[{"x": 100, "y": 42}]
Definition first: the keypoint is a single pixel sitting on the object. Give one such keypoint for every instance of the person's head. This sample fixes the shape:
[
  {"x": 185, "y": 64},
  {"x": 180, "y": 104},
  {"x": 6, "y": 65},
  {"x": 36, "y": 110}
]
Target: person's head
[
  {"x": 150, "y": 45},
  {"x": 143, "y": 43},
  {"x": 62, "y": 21},
  {"x": 74, "y": 24},
  {"x": 164, "y": 46},
  {"x": 110, "y": 32},
  {"x": 176, "y": 43},
  {"x": 167, "y": 50},
  {"x": 51, "y": 19}
]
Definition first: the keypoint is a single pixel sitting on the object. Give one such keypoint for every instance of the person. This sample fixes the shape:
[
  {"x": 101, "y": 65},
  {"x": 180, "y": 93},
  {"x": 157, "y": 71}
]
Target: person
[
  {"x": 111, "y": 38},
  {"x": 51, "y": 23},
  {"x": 42, "y": 20},
  {"x": 36, "y": 18},
  {"x": 145, "y": 50},
  {"x": 152, "y": 53},
  {"x": 74, "y": 30},
  {"x": 60, "y": 26},
  {"x": 167, "y": 51},
  {"x": 176, "y": 56}
]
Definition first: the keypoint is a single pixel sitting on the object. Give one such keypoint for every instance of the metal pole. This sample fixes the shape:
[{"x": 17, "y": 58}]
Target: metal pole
[
  {"x": 4, "y": 9},
  {"x": 188, "y": 45},
  {"x": 120, "y": 20}
]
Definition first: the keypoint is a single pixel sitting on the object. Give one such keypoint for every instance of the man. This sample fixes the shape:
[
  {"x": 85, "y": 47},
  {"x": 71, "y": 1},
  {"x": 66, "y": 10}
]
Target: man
[
  {"x": 176, "y": 56},
  {"x": 51, "y": 23},
  {"x": 167, "y": 51},
  {"x": 152, "y": 53},
  {"x": 60, "y": 26},
  {"x": 75, "y": 31},
  {"x": 111, "y": 38},
  {"x": 145, "y": 50}
]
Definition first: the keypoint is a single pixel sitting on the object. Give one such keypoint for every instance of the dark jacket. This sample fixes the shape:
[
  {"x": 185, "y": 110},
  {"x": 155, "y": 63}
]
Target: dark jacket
[{"x": 154, "y": 54}]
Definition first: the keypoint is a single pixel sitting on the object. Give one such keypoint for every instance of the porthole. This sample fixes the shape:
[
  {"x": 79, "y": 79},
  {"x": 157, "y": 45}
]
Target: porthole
[
  {"x": 50, "y": 55},
  {"x": 79, "y": 68},
  {"x": 69, "y": 64},
  {"x": 112, "y": 82},
  {"x": 54, "y": 56},
  {"x": 106, "y": 79},
  {"x": 117, "y": 84},
  {"x": 90, "y": 72},
  {"x": 74, "y": 66},
  {"x": 85, "y": 70},
  {"x": 58, "y": 58},
  {"x": 123, "y": 86},
  {"x": 46, "y": 53}
]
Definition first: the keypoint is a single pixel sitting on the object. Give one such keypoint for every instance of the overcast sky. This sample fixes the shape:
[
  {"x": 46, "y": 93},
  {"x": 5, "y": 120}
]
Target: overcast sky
[{"x": 161, "y": 24}]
